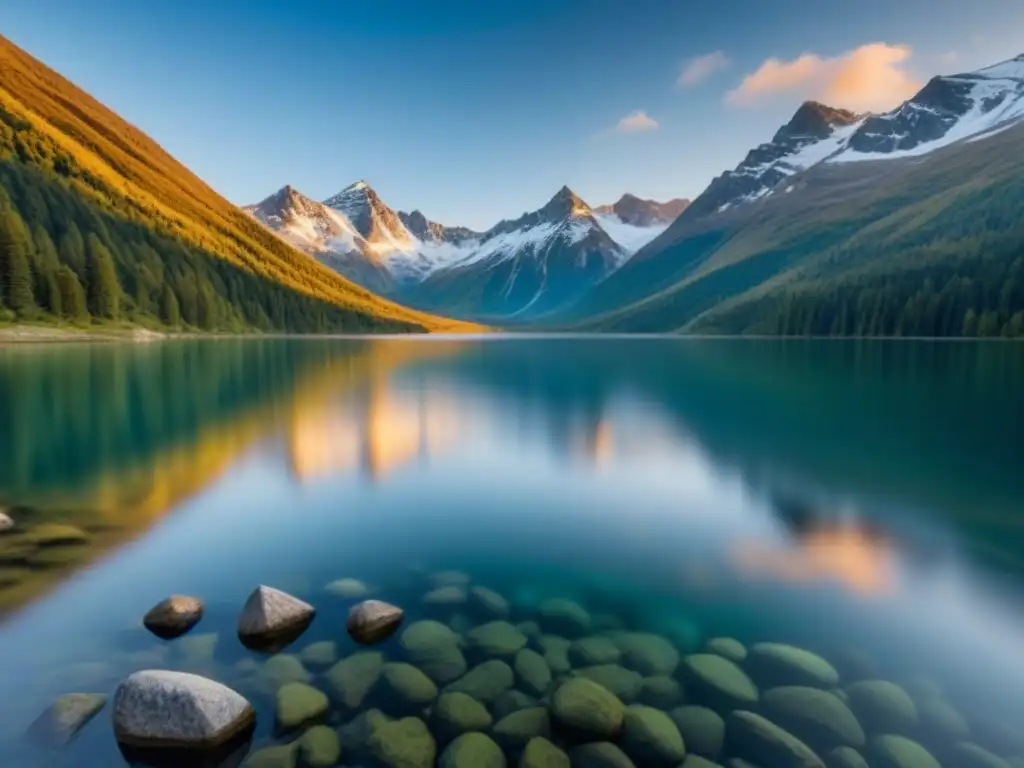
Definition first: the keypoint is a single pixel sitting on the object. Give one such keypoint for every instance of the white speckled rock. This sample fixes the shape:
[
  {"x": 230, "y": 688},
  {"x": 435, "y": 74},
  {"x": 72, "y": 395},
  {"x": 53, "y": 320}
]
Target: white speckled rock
[
  {"x": 176, "y": 709},
  {"x": 372, "y": 621},
  {"x": 6, "y": 523},
  {"x": 270, "y": 612}
]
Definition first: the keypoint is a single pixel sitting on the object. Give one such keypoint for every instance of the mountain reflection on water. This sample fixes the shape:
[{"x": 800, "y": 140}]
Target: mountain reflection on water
[{"x": 866, "y": 491}]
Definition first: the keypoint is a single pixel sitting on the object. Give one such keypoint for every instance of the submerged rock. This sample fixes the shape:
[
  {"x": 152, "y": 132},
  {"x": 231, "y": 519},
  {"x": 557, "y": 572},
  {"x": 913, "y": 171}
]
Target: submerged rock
[
  {"x": 661, "y": 692},
  {"x": 321, "y": 654},
  {"x": 555, "y": 650},
  {"x": 472, "y": 750},
  {"x": 532, "y": 672},
  {"x": 299, "y": 704},
  {"x": 624, "y": 683},
  {"x": 456, "y": 713},
  {"x": 941, "y": 721},
  {"x": 63, "y": 719},
  {"x": 541, "y": 753},
  {"x": 278, "y": 756},
  {"x": 844, "y": 757},
  {"x": 529, "y": 628},
  {"x": 647, "y": 653},
  {"x": 449, "y": 579},
  {"x": 593, "y": 651},
  {"x": 177, "y": 709},
  {"x": 347, "y": 589},
  {"x": 496, "y": 639},
  {"x": 434, "y": 648},
  {"x": 651, "y": 738},
  {"x": 404, "y": 743},
  {"x": 319, "y": 747},
  {"x": 600, "y": 754},
  {"x": 487, "y": 602},
  {"x": 372, "y": 621},
  {"x": 967, "y": 755},
  {"x": 446, "y": 597},
  {"x": 882, "y": 706},
  {"x": 173, "y": 616},
  {"x": 403, "y": 689},
  {"x": 563, "y": 617},
  {"x": 352, "y": 678},
  {"x": 585, "y": 707},
  {"x": 272, "y": 619},
  {"x": 511, "y": 701},
  {"x": 6, "y": 522},
  {"x": 355, "y": 734},
  {"x": 702, "y": 729},
  {"x": 696, "y": 761},
  {"x": 727, "y": 648},
  {"x": 891, "y": 751},
  {"x": 752, "y": 737},
  {"x": 280, "y": 669},
  {"x": 484, "y": 682},
  {"x": 817, "y": 717},
  {"x": 718, "y": 681},
  {"x": 775, "y": 664},
  {"x": 514, "y": 731}
]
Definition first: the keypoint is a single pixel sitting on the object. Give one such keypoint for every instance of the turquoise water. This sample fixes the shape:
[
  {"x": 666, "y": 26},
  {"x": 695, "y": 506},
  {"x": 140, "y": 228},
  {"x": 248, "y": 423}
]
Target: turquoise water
[{"x": 855, "y": 499}]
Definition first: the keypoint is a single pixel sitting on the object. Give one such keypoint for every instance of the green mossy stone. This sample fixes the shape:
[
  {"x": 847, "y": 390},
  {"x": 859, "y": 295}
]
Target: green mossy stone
[
  {"x": 434, "y": 648},
  {"x": 776, "y": 664},
  {"x": 456, "y": 713},
  {"x": 600, "y": 754},
  {"x": 891, "y": 751},
  {"x": 54, "y": 535},
  {"x": 727, "y": 648},
  {"x": 532, "y": 672},
  {"x": 541, "y": 753},
  {"x": 484, "y": 682},
  {"x": 282, "y": 756},
  {"x": 529, "y": 628},
  {"x": 941, "y": 722},
  {"x": 68, "y": 715},
  {"x": 405, "y": 743},
  {"x": 446, "y": 597},
  {"x": 844, "y": 757},
  {"x": 882, "y": 707},
  {"x": 495, "y": 639},
  {"x": 555, "y": 650},
  {"x": 817, "y": 717},
  {"x": 514, "y": 731},
  {"x": 487, "y": 602},
  {"x": 967, "y": 755},
  {"x": 702, "y": 729},
  {"x": 752, "y": 737},
  {"x": 511, "y": 701},
  {"x": 403, "y": 689},
  {"x": 319, "y": 747},
  {"x": 319, "y": 655},
  {"x": 563, "y": 617},
  {"x": 449, "y": 579},
  {"x": 299, "y": 704},
  {"x": 624, "y": 683},
  {"x": 853, "y": 664},
  {"x": 195, "y": 649},
  {"x": 347, "y": 589},
  {"x": 279, "y": 670},
  {"x": 593, "y": 651},
  {"x": 352, "y": 678},
  {"x": 460, "y": 624},
  {"x": 650, "y": 737},
  {"x": 355, "y": 734},
  {"x": 587, "y": 708},
  {"x": 472, "y": 750},
  {"x": 661, "y": 692},
  {"x": 718, "y": 682},
  {"x": 647, "y": 653},
  {"x": 696, "y": 761}
]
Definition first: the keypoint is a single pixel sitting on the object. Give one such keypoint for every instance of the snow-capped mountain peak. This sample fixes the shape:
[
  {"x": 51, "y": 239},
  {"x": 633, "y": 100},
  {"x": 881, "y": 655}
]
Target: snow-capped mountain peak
[
  {"x": 379, "y": 225},
  {"x": 951, "y": 108},
  {"x": 304, "y": 222}
]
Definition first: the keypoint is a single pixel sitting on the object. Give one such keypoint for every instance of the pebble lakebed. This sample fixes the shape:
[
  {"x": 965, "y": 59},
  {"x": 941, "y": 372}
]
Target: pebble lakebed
[{"x": 472, "y": 679}]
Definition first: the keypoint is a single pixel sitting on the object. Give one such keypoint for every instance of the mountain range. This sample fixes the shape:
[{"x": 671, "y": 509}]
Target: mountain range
[{"x": 904, "y": 222}]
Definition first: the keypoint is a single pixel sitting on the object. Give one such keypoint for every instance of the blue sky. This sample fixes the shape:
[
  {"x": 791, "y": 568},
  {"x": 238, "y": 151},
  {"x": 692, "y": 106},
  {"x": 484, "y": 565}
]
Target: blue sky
[{"x": 476, "y": 111}]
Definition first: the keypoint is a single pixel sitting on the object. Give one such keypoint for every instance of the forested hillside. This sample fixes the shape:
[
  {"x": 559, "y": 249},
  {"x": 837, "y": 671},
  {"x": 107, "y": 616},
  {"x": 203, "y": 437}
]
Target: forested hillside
[{"x": 98, "y": 223}]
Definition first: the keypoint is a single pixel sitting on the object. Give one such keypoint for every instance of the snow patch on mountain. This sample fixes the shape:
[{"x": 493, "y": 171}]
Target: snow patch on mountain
[{"x": 630, "y": 237}]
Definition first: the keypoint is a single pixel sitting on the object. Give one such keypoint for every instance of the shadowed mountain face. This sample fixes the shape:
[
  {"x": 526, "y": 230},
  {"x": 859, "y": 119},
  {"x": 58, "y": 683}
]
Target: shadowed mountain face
[{"x": 630, "y": 209}]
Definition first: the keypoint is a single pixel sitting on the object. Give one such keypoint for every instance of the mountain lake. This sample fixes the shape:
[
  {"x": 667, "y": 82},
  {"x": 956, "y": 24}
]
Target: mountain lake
[{"x": 775, "y": 553}]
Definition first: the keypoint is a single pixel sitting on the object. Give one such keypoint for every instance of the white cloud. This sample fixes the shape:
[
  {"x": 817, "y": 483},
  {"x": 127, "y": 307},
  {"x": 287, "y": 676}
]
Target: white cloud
[
  {"x": 636, "y": 122},
  {"x": 872, "y": 77},
  {"x": 700, "y": 68}
]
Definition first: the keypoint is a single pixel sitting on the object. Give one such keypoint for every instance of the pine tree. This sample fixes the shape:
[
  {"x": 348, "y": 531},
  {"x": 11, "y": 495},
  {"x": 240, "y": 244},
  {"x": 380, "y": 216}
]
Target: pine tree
[
  {"x": 103, "y": 290},
  {"x": 72, "y": 250},
  {"x": 970, "y": 326},
  {"x": 44, "y": 270},
  {"x": 15, "y": 255},
  {"x": 72, "y": 295},
  {"x": 169, "y": 311}
]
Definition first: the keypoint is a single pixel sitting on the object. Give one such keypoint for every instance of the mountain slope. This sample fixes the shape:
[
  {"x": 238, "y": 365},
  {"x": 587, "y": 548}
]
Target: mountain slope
[
  {"x": 522, "y": 268},
  {"x": 952, "y": 202},
  {"x": 161, "y": 225},
  {"x": 630, "y": 209}
]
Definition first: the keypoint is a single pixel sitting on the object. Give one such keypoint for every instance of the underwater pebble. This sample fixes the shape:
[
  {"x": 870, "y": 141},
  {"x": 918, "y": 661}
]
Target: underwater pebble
[
  {"x": 752, "y": 737},
  {"x": 484, "y": 682},
  {"x": 882, "y": 706},
  {"x": 599, "y": 754},
  {"x": 661, "y": 692},
  {"x": 514, "y": 731},
  {"x": 351, "y": 679},
  {"x": 404, "y": 743},
  {"x": 702, "y": 729},
  {"x": 891, "y": 751},
  {"x": 173, "y": 616},
  {"x": 270, "y": 617},
  {"x": 624, "y": 683},
  {"x": 563, "y": 617},
  {"x": 585, "y": 707},
  {"x": 488, "y": 603},
  {"x": 718, "y": 681},
  {"x": 63, "y": 719},
  {"x": 456, "y": 713},
  {"x": 532, "y": 672},
  {"x": 815, "y": 716},
  {"x": 728, "y": 648},
  {"x": 541, "y": 753},
  {"x": 372, "y": 621},
  {"x": 434, "y": 648},
  {"x": 472, "y": 750},
  {"x": 319, "y": 747},
  {"x": 650, "y": 737},
  {"x": 299, "y": 704},
  {"x": 776, "y": 664},
  {"x": 348, "y": 589}
]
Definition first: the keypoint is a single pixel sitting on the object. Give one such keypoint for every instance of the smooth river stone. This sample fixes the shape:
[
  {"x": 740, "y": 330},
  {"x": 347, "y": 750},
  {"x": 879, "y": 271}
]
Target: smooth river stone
[{"x": 372, "y": 621}]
